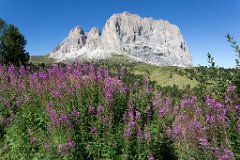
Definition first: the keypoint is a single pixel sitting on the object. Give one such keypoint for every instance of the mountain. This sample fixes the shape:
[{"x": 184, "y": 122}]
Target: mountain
[{"x": 143, "y": 39}]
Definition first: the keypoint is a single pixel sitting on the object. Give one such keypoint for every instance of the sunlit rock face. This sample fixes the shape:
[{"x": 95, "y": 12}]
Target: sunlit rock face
[{"x": 144, "y": 39}]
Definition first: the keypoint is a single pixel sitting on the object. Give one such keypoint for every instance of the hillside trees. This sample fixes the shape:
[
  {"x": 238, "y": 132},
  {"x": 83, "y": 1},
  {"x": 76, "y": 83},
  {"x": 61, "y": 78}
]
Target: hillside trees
[
  {"x": 12, "y": 45},
  {"x": 2, "y": 31}
]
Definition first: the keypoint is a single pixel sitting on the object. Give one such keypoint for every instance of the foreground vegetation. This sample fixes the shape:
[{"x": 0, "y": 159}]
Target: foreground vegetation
[{"x": 89, "y": 111}]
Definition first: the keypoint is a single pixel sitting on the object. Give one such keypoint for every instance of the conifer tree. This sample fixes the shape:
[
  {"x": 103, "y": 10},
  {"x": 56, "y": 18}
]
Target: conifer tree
[
  {"x": 2, "y": 31},
  {"x": 14, "y": 46}
]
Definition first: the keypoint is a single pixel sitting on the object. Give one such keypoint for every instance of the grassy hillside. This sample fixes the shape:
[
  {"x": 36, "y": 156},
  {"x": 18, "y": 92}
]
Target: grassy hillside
[
  {"x": 40, "y": 59},
  {"x": 165, "y": 76}
]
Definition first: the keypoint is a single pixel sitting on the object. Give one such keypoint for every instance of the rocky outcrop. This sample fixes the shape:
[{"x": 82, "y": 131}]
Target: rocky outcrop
[
  {"x": 93, "y": 39},
  {"x": 152, "y": 41},
  {"x": 75, "y": 41}
]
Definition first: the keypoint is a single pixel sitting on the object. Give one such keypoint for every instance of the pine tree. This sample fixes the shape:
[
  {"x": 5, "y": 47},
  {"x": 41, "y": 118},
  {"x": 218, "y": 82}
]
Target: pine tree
[
  {"x": 14, "y": 46},
  {"x": 3, "y": 27}
]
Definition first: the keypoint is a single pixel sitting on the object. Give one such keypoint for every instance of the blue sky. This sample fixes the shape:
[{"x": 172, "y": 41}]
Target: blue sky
[{"x": 203, "y": 23}]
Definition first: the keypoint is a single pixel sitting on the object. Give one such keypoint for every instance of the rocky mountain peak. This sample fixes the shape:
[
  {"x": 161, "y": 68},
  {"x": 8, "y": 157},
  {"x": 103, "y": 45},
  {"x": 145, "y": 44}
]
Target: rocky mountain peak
[
  {"x": 93, "y": 39},
  {"x": 75, "y": 32},
  {"x": 145, "y": 39}
]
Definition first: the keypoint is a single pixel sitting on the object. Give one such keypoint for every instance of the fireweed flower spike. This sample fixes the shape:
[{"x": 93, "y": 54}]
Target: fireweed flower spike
[
  {"x": 177, "y": 131},
  {"x": 91, "y": 109},
  {"x": 33, "y": 140},
  {"x": 151, "y": 157},
  {"x": 93, "y": 130},
  {"x": 66, "y": 147},
  {"x": 203, "y": 143},
  {"x": 147, "y": 136},
  {"x": 75, "y": 113},
  {"x": 169, "y": 132},
  {"x": 52, "y": 114}
]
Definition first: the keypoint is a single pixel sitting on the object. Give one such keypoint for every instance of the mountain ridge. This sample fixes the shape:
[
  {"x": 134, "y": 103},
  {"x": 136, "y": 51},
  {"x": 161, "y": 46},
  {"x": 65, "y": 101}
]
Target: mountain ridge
[{"x": 143, "y": 39}]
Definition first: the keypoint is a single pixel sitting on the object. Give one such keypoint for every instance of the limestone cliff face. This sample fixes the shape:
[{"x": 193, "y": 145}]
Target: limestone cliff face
[
  {"x": 93, "y": 39},
  {"x": 144, "y": 39},
  {"x": 75, "y": 41}
]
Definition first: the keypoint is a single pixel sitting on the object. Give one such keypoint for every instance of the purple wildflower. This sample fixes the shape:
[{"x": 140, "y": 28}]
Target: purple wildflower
[
  {"x": 177, "y": 130},
  {"x": 125, "y": 117},
  {"x": 106, "y": 73},
  {"x": 122, "y": 72},
  {"x": 52, "y": 114},
  {"x": 168, "y": 102},
  {"x": 11, "y": 70},
  {"x": 123, "y": 89},
  {"x": 216, "y": 152},
  {"x": 127, "y": 132},
  {"x": 93, "y": 130},
  {"x": 157, "y": 101},
  {"x": 64, "y": 148},
  {"x": 147, "y": 136},
  {"x": 222, "y": 115},
  {"x": 71, "y": 144},
  {"x": 63, "y": 118},
  {"x": 217, "y": 109},
  {"x": 99, "y": 73},
  {"x": 49, "y": 129},
  {"x": 47, "y": 145},
  {"x": 196, "y": 124},
  {"x": 108, "y": 94},
  {"x": 138, "y": 115},
  {"x": 5, "y": 102},
  {"x": 210, "y": 119},
  {"x": 42, "y": 75},
  {"x": 237, "y": 109},
  {"x": 129, "y": 119},
  {"x": 198, "y": 110},
  {"x": 33, "y": 78},
  {"x": 203, "y": 143},
  {"x": 227, "y": 154},
  {"x": 189, "y": 101},
  {"x": 22, "y": 70},
  {"x": 75, "y": 113},
  {"x": 105, "y": 120},
  {"x": 151, "y": 157},
  {"x": 70, "y": 91},
  {"x": 139, "y": 134},
  {"x": 131, "y": 123},
  {"x": 175, "y": 110},
  {"x": 146, "y": 82},
  {"x": 33, "y": 140},
  {"x": 148, "y": 111},
  {"x": 230, "y": 88},
  {"x": 56, "y": 93},
  {"x": 27, "y": 98},
  {"x": 162, "y": 112},
  {"x": 136, "y": 84},
  {"x": 100, "y": 110},
  {"x": 91, "y": 109},
  {"x": 8, "y": 120},
  {"x": 169, "y": 132}
]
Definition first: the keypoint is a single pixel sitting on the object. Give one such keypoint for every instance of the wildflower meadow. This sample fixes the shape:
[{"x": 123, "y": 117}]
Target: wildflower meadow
[{"x": 83, "y": 111}]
